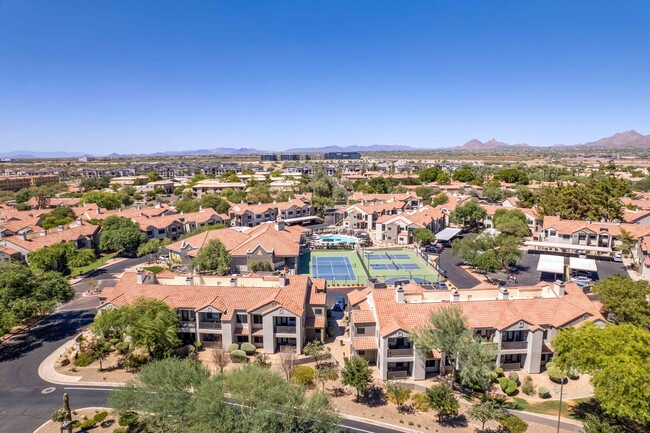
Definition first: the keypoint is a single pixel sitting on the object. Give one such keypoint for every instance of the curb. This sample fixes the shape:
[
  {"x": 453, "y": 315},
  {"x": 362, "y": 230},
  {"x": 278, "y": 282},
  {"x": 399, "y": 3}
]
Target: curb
[
  {"x": 47, "y": 372},
  {"x": 81, "y": 408}
]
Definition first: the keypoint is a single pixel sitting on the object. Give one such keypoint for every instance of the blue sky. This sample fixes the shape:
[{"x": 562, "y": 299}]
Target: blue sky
[{"x": 139, "y": 76}]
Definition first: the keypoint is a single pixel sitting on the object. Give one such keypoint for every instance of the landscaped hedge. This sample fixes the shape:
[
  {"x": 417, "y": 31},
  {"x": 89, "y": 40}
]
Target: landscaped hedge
[
  {"x": 508, "y": 386},
  {"x": 249, "y": 348},
  {"x": 233, "y": 347},
  {"x": 303, "y": 375},
  {"x": 499, "y": 371},
  {"x": 238, "y": 356},
  {"x": 514, "y": 377},
  {"x": 543, "y": 392},
  {"x": 556, "y": 375}
]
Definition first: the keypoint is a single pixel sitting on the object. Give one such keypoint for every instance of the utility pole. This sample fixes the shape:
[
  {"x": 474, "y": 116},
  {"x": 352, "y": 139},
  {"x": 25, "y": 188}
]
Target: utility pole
[{"x": 559, "y": 413}]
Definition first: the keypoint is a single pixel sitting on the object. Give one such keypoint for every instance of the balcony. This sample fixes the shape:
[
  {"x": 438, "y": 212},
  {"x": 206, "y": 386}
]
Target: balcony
[
  {"x": 514, "y": 345},
  {"x": 284, "y": 329},
  {"x": 397, "y": 374},
  {"x": 400, "y": 352},
  {"x": 187, "y": 325},
  {"x": 210, "y": 325}
]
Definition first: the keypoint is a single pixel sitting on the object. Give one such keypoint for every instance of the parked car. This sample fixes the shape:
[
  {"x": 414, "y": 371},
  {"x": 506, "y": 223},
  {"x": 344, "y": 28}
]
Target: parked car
[
  {"x": 339, "y": 304},
  {"x": 441, "y": 285},
  {"x": 618, "y": 257},
  {"x": 582, "y": 254},
  {"x": 581, "y": 280}
]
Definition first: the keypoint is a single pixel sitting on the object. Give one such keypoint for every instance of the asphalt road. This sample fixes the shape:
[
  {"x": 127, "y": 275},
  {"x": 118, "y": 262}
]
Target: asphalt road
[{"x": 456, "y": 275}]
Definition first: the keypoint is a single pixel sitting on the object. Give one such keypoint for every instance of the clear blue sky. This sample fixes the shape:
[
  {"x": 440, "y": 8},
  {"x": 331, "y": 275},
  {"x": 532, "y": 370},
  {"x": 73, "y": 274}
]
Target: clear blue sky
[{"x": 139, "y": 76}]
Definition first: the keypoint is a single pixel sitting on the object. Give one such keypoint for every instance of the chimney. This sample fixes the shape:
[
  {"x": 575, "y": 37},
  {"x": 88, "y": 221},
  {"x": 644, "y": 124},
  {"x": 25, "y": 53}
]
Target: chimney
[
  {"x": 454, "y": 296},
  {"x": 283, "y": 279},
  {"x": 189, "y": 281},
  {"x": 503, "y": 293},
  {"x": 399, "y": 294},
  {"x": 279, "y": 224},
  {"x": 80, "y": 221},
  {"x": 61, "y": 228},
  {"x": 233, "y": 282},
  {"x": 43, "y": 232},
  {"x": 558, "y": 286},
  {"x": 23, "y": 235},
  {"x": 140, "y": 274}
]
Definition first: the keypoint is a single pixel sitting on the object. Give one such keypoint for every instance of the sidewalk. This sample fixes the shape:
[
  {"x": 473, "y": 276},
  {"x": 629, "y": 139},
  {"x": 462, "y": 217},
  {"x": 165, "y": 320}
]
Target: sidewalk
[{"x": 48, "y": 373}]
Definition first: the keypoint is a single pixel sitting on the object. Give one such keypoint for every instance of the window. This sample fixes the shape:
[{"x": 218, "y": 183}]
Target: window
[
  {"x": 361, "y": 352},
  {"x": 242, "y": 318},
  {"x": 257, "y": 319},
  {"x": 285, "y": 321},
  {"x": 566, "y": 236},
  {"x": 361, "y": 331},
  {"x": 545, "y": 334},
  {"x": 431, "y": 363},
  {"x": 318, "y": 311},
  {"x": 582, "y": 237},
  {"x": 242, "y": 339},
  {"x": 258, "y": 340}
]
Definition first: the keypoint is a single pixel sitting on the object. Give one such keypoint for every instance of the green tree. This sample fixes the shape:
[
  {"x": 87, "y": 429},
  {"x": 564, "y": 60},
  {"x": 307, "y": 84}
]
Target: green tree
[
  {"x": 464, "y": 174},
  {"x": 487, "y": 252},
  {"x": 592, "y": 424},
  {"x": 470, "y": 213},
  {"x": 439, "y": 199},
  {"x": 326, "y": 373},
  {"x": 152, "y": 176},
  {"x": 628, "y": 241},
  {"x": 153, "y": 248},
  {"x": 513, "y": 424},
  {"x": 58, "y": 217},
  {"x": 424, "y": 236},
  {"x": 424, "y": 192},
  {"x": 477, "y": 362},
  {"x": 213, "y": 257},
  {"x": 107, "y": 200},
  {"x": 430, "y": 174},
  {"x": 511, "y": 222},
  {"x": 488, "y": 410},
  {"x": 213, "y": 201},
  {"x": 626, "y": 299},
  {"x": 616, "y": 358},
  {"x": 357, "y": 374},
  {"x": 148, "y": 323},
  {"x": 187, "y": 205},
  {"x": 442, "y": 400},
  {"x": 397, "y": 393},
  {"x": 316, "y": 350},
  {"x": 52, "y": 258},
  {"x": 512, "y": 175},
  {"x": 263, "y": 266},
  {"x": 82, "y": 257},
  {"x": 120, "y": 234},
  {"x": 445, "y": 331}
]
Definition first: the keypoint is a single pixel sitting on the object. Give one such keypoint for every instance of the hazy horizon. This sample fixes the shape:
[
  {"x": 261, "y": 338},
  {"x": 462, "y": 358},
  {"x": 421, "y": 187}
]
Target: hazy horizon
[{"x": 103, "y": 77}]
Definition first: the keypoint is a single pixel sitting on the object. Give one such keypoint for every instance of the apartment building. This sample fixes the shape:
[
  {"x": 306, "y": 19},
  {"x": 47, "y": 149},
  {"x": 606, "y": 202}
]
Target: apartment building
[
  {"x": 14, "y": 183},
  {"x": 275, "y": 243},
  {"x": 273, "y": 313},
  {"x": 211, "y": 186},
  {"x": 399, "y": 229},
  {"x": 573, "y": 236},
  {"x": 491, "y": 210},
  {"x": 364, "y": 217},
  {"x": 410, "y": 200},
  {"x": 251, "y": 215},
  {"x": 174, "y": 225},
  {"x": 520, "y": 321}
]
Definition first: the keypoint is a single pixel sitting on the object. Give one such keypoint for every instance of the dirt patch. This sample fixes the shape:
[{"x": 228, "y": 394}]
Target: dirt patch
[{"x": 109, "y": 425}]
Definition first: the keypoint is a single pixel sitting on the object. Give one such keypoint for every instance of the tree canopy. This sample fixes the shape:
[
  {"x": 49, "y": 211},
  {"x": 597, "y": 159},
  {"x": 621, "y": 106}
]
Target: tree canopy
[
  {"x": 176, "y": 396},
  {"x": 213, "y": 257},
  {"x": 120, "y": 234},
  {"x": 25, "y": 293},
  {"x": 469, "y": 213},
  {"x": 58, "y": 217},
  {"x": 357, "y": 374},
  {"x": 60, "y": 257},
  {"x": 616, "y": 357},
  {"x": 511, "y": 222},
  {"x": 626, "y": 299},
  {"x": 488, "y": 252}
]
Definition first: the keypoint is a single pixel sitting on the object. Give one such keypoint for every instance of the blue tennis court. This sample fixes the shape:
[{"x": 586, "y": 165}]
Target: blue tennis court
[
  {"x": 407, "y": 266},
  {"x": 333, "y": 268},
  {"x": 388, "y": 257}
]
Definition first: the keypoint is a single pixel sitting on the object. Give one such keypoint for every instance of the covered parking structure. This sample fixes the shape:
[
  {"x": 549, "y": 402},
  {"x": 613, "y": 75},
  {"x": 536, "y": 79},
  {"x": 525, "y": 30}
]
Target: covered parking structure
[
  {"x": 551, "y": 264},
  {"x": 446, "y": 235},
  {"x": 587, "y": 265}
]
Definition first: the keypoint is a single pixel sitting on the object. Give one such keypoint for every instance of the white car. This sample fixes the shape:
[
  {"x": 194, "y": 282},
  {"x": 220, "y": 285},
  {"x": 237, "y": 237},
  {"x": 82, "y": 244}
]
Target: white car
[
  {"x": 618, "y": 257},
  {"x": 581, "y": 280}
]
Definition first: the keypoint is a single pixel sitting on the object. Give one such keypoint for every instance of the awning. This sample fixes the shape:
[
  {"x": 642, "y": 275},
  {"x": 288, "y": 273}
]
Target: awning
[
  {"x": 302, "y": 219},
  {"x": 551, "y": 264},
  {"x": 583, "y": 264},
  {"x": 447, "y": 234},
  {"x": 562, "y": 246}
]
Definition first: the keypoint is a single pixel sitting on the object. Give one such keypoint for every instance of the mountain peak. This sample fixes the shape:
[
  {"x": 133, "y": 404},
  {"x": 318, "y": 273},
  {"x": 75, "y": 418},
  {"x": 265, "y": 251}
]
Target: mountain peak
[{"x": 630, "y": 138}]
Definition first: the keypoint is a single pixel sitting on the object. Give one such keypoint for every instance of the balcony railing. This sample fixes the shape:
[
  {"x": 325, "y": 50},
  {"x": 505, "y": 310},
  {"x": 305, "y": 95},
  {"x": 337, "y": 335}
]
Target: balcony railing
[
  {"x": 405, "y": 351},
  {"x": 397, "y": 374},
  {"x": 514, "y": 345},
  {"x": 187, "y": 324},
  {"x": 283, "y": 329},
  {"x": 210, "y": 325}
]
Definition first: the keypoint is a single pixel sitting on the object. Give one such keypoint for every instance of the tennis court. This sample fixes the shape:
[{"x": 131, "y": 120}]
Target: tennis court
[
  {"x": 399, "y": 266},
  {"x": 337, "y": 267},
  {"x": 333, "y": 268}
]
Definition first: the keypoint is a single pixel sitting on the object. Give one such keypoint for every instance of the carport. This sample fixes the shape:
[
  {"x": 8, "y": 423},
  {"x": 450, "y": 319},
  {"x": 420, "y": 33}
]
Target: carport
[
  {"x": 447, "y": 234},
  {"x": 551, "y": 264},
  {"x": 578, "y": 264}
]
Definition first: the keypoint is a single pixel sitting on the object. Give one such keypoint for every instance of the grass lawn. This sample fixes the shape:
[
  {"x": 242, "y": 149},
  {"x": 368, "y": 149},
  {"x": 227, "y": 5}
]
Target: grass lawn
[
  {"x": 102, "y": 260},
  {"x": 550, "y": 407},
  {"x": 154, "y": 269}
]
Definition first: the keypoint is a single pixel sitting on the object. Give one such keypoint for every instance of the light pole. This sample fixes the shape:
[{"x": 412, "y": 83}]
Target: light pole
[{"x": 559, "y": 413}]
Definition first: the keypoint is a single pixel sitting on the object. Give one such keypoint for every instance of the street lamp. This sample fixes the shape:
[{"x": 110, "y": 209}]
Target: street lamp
[{"x": 559, "y": 413}]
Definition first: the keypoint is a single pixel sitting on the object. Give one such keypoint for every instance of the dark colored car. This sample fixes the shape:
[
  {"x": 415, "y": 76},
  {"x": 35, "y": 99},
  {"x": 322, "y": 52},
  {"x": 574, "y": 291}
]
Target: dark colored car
[{"x": 339, "y": 304}]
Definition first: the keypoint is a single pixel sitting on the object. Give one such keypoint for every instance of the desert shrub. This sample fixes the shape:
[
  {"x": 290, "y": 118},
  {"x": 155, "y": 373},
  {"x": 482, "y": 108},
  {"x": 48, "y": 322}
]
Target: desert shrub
[
  {"x": 249, "y": 348},
  {"x": 303, "y": 375},
  {"x": 421, "y": 402},
  {"x": 122, "y": 347},
  {"x": 262, "y": 360},
  {"x": 58, "y": 415},
  {"x": 494, "y": 376},
  {"x": 550, "y": 365},
  {"x": 543, "y": 392},
  {"x": 574, "y": 374},
  {"x": 508, "y": 386},
  {"x": 556, "y": 375},
  {"x": 238, "y": 356},
  {"x": 198, "y": 345},
  {"x": 128, "y": 419},
  {"x": 114, "y": 341},
  {"x": 527, "y": 386},
  {"x": 514, "y": 377},
  {"x": 83, "y": 359},
  {"x": 136, "y": 360},
  {"x": 88, "y": 424},
  {"x": 499, "y": 371},
  {"x": 513, "y": 424},
  {"x": 101, "y": 416},
  {"x": 119, "y": 430},
  {"x": 232, "y": 347}
]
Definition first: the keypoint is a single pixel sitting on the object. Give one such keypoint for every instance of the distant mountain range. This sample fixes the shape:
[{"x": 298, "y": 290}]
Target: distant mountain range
[{"x": 627, "y": 139}]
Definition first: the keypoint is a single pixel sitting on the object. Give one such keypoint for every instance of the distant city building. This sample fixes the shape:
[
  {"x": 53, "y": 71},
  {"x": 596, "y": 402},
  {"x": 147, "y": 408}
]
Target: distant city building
[
  {"x": 14, "y": 183},
  {"x": 269, "y": 157},
  {"x": 290, "y": 157},
  {"x": 342, "y": 155}
]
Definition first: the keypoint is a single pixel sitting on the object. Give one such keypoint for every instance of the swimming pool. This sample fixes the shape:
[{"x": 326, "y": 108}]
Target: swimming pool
[{"x": 338, "y": 239}]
